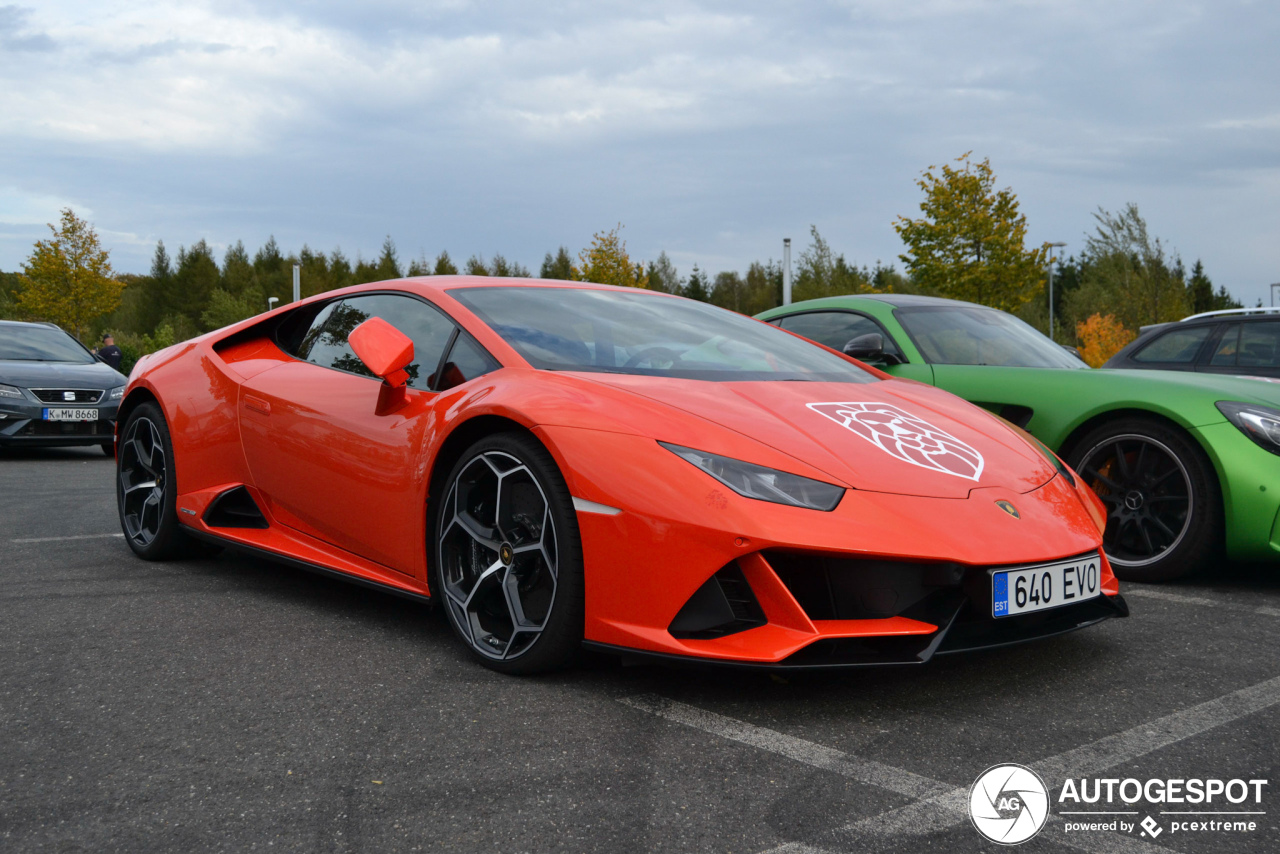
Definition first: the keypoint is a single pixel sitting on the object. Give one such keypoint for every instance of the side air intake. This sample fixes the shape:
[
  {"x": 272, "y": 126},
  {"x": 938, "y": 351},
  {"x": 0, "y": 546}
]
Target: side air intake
[
  {"x": 234, "y": 508},
  {"x": 722, "y": 606}
]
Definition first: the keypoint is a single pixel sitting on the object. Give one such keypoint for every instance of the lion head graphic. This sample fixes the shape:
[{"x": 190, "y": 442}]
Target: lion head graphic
[{"x": 905, "y": 436}]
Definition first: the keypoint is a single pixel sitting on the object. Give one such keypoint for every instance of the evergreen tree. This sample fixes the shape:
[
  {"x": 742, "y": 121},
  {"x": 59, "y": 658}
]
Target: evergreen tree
[
  {"x": 728, "y": 290},
  {"x": 194, "y": 280},
  {"x": 1200, "y": 294},
  {"x": 388, "y": 266},
  {"x": 272, "y": 272},
  {"x": 445, "y": 265},
  {"x": 663, "y": 275},
  {"x": 340, "y": 273},
  {"x": 476, "y": 266},
  {"x": 502, "y": 267},
  {"x": 696, "y": 287},
  {"x": 237, "y": 269},
  {"x": 365, "y": 272},
  {"x": 821, "y": 273},
  {"x": 560, "y": 267},
  {"x": 763, "y": 287}
]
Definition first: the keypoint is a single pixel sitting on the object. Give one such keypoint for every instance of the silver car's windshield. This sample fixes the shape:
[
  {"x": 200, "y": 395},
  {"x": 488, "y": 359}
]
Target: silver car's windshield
[{"x": 972, "y": 335}]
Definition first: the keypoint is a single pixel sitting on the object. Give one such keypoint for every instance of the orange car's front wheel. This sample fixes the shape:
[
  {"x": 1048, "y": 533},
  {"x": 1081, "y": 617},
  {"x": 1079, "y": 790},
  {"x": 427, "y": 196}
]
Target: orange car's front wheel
[{"x": 508, "y": 567}]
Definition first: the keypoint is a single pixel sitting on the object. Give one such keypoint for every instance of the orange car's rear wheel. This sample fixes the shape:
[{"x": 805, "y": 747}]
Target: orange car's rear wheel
[{"x": 508, "y": 568}]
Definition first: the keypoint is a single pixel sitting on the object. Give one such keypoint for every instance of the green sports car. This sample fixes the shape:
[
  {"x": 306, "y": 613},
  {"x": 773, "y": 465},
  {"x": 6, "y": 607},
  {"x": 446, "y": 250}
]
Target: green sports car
[{"x": 1187, "y": 464}]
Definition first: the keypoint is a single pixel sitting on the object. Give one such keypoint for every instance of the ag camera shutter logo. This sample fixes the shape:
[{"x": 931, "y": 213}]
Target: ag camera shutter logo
[{"x": 1009, "y": 804}]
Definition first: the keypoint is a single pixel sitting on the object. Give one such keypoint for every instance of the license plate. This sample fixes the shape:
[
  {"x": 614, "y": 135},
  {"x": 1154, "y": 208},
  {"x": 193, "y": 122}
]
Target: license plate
[
  {"x": 66, "y": 414},
  {"x": 1050, "y": 585}
]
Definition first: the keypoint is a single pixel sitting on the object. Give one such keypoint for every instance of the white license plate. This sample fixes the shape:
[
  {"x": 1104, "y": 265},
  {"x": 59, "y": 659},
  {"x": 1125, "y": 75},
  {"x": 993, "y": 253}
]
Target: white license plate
[
  {"x": 62, "y": 413},
  {"x": 1050, "y": 585}
]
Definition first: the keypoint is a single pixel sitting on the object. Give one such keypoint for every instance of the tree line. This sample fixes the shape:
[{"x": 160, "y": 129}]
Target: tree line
[{"x": 969, "y": 243}]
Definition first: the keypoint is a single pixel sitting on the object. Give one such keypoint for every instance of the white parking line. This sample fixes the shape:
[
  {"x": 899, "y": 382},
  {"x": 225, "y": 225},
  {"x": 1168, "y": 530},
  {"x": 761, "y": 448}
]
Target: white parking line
[
  {"x": 63, "y": 539},
  {"x": 942, "y": 807},
  {"x": 1183, "y": 599},
  {"x": 829, "y": 759}
]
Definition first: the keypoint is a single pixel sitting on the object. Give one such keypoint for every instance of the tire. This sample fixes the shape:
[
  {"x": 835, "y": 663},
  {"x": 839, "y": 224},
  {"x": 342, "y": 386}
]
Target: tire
[
  {"x": 1164, "y": 505},
  {"x": 507, "y": 565},
  {"x": 146, "y": 489}
]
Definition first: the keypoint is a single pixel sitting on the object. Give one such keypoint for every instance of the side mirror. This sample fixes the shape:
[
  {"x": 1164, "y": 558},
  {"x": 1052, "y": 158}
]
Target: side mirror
[
  {"x": 867, "y": 348},
  {"x": 1072, "y": 350},
  {"x": 385, "y": 350}
]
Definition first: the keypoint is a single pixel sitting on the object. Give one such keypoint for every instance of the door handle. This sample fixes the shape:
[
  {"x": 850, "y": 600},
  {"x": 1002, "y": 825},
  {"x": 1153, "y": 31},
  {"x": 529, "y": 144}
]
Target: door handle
[{"x": 257, "y": 404}]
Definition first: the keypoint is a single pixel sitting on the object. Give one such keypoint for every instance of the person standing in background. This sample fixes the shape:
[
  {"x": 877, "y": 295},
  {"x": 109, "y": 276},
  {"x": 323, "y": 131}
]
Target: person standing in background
[{"x": 109, "y": 352}]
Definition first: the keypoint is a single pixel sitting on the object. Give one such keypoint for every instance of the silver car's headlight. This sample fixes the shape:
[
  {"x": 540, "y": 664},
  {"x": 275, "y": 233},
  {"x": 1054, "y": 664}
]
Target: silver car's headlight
[
  {"x": 1259, "y": 423},
  {"x": 764, "y": 484},
  {"x": 115, "y": 393},
  {"x": 10, "y": 391}
]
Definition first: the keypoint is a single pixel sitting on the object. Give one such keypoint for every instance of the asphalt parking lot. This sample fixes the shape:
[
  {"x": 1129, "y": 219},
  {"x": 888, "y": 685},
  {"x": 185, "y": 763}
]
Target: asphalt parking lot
[{"x": 231, "y": 704}]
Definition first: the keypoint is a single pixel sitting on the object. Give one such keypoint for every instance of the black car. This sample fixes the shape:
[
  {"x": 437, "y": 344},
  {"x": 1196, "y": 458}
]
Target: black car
[
  {"x": 53, "y": 391},
  {"x": 1241, "y": 341}
]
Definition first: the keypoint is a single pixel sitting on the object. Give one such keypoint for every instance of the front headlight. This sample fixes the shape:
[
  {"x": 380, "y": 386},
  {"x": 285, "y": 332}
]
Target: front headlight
[
  {"x": 763, "y": 484},
  {"x": 115, "y": 393},
  {"x": 1259, "y": 423},
  {"x": 10, "y": 391}
]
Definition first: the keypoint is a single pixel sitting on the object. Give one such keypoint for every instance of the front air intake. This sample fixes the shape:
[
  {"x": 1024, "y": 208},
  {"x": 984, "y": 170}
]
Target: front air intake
[
  {"x": 234, "y": 508},
  {"x": 724, "y": 605}
]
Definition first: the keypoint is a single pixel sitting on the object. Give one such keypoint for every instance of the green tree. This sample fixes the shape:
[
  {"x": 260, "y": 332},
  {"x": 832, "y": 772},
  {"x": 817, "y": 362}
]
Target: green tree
[
  {"x": 821, "y": 273},
  {"x": 340, "y": 273},
  {"x": 237, "y": 269},
  {"x": 9, "y": 283},
  {"x": 476, "y": 267},
  {"x": 444, "y": 265},
  {"x": 225, "y": 308},
  {"x": 606, "y": 262},
  {"x": 388, "y": 266},
  {"x": 504, "y": 268},
  {"x": 418, "y": 267},
  {"x": 728, "y": 290},
  {"x": 68, "y": 279},
  {"x": 273, "y": 272},
  {"x": 696, "y": 287},
  {"x": 662, "y": 275},
  {"x": 558, "y": 267},
  {"x": 763, "y": 287},
  {"x": 1201, "y": 296},
  {"x": 194, "y": 280},
  {"x": 970, "y": 243}
]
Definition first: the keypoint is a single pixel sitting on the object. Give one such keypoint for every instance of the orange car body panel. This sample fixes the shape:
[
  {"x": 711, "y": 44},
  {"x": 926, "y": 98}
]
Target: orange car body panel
[{"x": 344, "y": 483}]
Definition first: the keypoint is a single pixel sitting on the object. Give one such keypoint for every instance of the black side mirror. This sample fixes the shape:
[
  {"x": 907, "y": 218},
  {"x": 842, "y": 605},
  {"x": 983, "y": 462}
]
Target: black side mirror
[
  {"x": 1072, "y": 350},
  {"x": 869, "y": 348}
]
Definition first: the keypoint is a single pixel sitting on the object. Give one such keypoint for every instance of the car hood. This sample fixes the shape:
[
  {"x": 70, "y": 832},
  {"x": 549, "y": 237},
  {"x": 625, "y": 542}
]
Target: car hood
[
  {"x": 59, "y": 375},
  {"x": 890, "y": 436}
]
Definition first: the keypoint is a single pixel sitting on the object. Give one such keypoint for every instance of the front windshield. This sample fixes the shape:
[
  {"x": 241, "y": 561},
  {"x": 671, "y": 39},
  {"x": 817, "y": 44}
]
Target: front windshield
[
  {"x": 972, "y": 335},
  {"x": 40, "y": 344},
  {"x": 640, "y": 332}
]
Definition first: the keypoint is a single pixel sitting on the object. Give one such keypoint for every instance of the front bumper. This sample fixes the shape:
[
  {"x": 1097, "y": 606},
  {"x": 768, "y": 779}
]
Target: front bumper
[
  {"x": 22, "y": 424},
  {"x": 1250, "y": 480}
]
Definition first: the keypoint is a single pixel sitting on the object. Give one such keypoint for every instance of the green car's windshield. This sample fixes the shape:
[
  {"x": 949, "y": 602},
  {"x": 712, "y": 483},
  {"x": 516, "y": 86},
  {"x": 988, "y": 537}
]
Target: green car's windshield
[
  {"x": 638, "y": 332},
  {"x": 972, "y": 335}
]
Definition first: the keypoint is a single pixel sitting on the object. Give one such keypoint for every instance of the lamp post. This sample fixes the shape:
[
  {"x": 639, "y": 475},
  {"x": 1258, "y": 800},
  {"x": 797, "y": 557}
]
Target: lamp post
[
  {"x": 271, "y": 302},
  {"x": 1052, "y": 246},
  {"x": 786, "y": 271},
  {"x": 1273, "y": 293}
]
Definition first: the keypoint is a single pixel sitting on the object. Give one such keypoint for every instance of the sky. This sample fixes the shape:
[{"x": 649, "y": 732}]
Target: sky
[{"x": 710, "y": 130}]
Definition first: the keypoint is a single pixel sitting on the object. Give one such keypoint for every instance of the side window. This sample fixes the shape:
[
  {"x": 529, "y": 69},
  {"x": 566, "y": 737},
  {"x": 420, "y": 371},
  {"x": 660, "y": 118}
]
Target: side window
[
  {"x": 1228, "y": 348},
  {"x": 1259, "y": 345},
  {"x": 466, "y": 361},
  {"x": 1178, "y": 346},
  {"x": 298, "y": 333},
  {"x": 836, "y": 328},
  {"x": 427, "y": 327}
]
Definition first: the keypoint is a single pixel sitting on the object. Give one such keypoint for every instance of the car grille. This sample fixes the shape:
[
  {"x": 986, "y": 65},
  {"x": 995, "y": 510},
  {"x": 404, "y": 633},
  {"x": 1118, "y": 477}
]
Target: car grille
[
  {"x": 104, "y": 429},
  {"x": 59, "y": 395}
]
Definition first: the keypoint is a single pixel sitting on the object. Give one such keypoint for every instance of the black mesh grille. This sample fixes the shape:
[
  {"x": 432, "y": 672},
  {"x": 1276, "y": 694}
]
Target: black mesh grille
[
  {"x": 59, "y": 395},
  {"x": 724, "y": 605},
  {"x": 837, "y": 588}
]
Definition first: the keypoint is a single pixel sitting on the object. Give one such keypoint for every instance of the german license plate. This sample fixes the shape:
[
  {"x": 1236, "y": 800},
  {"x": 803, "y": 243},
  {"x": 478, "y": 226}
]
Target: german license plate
[
  {"x": 62, "y": 413},
  {"x": 1050, "y": 585}
]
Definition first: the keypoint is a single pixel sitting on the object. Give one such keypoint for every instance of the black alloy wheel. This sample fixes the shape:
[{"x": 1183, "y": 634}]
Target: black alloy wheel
[
  {"x": 146, "y": 491},
  {"x": 508, "y": 568},
  {"x": 1164, "y": 510}
]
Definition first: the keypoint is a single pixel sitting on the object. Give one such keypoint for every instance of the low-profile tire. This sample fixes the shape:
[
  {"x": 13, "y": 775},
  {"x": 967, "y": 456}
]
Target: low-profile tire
[
  {"x": 1164, "y": 505},
  {"x": 507, "y": 556},
  {"x": 146, "y": 489}
]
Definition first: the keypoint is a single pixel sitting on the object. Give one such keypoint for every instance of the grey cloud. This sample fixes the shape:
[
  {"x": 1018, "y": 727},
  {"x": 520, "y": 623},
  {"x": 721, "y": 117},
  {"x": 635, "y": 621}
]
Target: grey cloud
[{"x": 13, "y": 31}]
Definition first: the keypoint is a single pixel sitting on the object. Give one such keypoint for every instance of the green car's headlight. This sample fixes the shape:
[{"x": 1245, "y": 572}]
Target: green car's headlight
[
  {"x": 763, "y": 484},
  {"x": 10, "y": 391},
  {"x": 1259, "y": 423}
]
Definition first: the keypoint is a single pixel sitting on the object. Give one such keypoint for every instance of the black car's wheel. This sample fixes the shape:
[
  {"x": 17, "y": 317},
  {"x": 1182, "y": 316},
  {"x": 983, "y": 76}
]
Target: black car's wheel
[
  {"x": 145, "y": 488},
  {"x": 508, "y": 567},
  {"x": 1164, "y": 508}
]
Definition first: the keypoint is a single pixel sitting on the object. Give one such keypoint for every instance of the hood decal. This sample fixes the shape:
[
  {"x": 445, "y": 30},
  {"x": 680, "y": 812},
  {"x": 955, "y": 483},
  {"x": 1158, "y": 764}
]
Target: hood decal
[{"x": 905, "y": 436}]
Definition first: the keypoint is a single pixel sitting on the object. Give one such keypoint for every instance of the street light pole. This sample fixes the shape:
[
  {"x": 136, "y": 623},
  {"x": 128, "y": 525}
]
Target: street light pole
[
  {"x": 786, "y": 271},
  {"x": 1052, "y": 246},
  {"x": 271, "y": 302}
]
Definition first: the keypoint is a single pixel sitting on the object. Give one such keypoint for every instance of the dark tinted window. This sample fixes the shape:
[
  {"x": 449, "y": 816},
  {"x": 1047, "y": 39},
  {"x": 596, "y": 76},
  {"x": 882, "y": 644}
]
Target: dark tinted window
[
  {"x": 466, "y": 361},
  {"x": 326, "y": 341},
  {"x": 40, "y": 344},
  {"x": 640, "y": 332},
  {"x": 1178, "y": 346},
  {"x": 965, "y": 335},
  {"x": 1259, "y": 345},
  {"x": 835, "y": 329},
  {"x": 1224, "y": 355}
]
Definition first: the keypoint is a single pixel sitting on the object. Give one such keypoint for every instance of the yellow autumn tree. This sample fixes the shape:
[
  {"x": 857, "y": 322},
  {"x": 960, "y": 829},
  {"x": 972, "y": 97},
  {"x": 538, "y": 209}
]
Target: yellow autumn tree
[
  {"x": 68, "y": 279},
  {"x": 606, "y": 262},
  {"x": 970, "y": 243},
  {"x": 1101, "y": 337}
]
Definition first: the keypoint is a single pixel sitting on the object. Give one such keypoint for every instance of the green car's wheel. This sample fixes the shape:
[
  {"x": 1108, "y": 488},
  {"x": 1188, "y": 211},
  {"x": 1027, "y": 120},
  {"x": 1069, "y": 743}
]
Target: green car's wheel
[
  {"x": 1164, "y": 511},
  {"x": 508, "y": 565}
]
